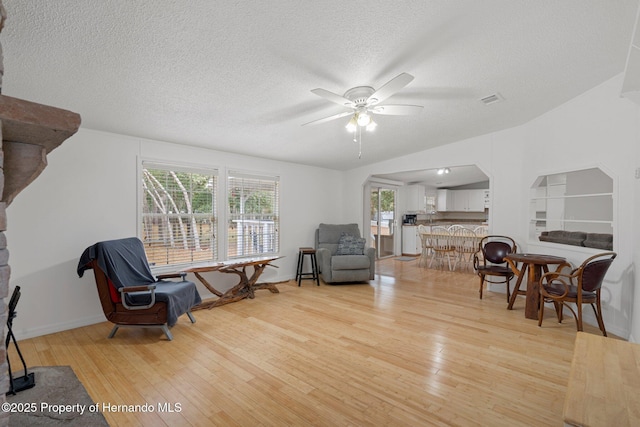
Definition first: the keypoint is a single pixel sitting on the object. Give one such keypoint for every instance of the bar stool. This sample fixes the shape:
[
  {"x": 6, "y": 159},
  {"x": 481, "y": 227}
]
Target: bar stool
[{"x": 300, "y": 276}]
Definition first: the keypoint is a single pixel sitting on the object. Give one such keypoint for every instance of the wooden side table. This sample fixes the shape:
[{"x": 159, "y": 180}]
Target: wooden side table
[{"x": 536, "y": 264}]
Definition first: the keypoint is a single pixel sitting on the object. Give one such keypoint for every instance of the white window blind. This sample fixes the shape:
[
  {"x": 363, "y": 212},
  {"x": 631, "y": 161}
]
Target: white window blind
[
  {"x": 253, "y": 208},
  {"x": 178, "y": 214}
]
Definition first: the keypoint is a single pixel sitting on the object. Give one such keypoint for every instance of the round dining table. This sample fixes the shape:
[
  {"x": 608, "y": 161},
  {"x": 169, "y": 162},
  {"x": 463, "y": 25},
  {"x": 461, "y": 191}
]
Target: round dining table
[{"x": 536, "y": 264}]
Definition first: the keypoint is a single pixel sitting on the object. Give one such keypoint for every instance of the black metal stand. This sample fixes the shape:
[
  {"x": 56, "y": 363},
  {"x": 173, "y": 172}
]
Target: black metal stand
[{"x": 27, "y": 380}]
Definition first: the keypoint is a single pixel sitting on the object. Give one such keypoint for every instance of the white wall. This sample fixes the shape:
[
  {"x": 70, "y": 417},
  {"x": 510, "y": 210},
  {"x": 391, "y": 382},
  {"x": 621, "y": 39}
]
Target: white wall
[
  {"x": 597, "y": 128},
  {"x": 88, "y": 193}
]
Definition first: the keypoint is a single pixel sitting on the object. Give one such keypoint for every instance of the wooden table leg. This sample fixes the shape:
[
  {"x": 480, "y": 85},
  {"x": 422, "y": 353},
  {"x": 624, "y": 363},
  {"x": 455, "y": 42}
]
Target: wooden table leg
[
  {"x": 533, "y": 292},
  {"x": 516, "y": 289},
  {"x": 245, "y": 287},
  {"x": 207, "y": 284},
  {"x": 254, "y": 278}
]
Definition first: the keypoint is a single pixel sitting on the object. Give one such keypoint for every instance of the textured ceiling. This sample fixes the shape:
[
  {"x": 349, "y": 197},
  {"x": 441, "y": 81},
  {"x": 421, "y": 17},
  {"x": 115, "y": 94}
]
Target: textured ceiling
[{"x": 236, "y": 76}]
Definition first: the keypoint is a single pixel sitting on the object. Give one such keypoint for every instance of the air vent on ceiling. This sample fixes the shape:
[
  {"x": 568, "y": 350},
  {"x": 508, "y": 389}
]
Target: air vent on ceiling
[{"x": 492, "y": 99}]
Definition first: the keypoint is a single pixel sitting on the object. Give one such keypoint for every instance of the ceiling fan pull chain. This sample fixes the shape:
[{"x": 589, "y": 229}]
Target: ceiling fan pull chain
[{"x": 359, "y": 142}]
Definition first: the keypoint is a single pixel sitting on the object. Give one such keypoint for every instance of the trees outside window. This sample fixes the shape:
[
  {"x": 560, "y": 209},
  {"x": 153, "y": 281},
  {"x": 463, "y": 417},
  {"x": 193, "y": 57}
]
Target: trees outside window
[
  {"x": 179, "y": 221},
  {"x": 178, "y": 214}
]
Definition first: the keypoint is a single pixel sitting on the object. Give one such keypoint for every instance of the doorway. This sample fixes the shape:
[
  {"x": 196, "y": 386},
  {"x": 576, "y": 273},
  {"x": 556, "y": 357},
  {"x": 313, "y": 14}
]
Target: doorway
[{"x": 383, "y": 220}]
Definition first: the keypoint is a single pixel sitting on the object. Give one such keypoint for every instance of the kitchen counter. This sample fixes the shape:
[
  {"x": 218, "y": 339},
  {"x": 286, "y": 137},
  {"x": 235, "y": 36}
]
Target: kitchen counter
[{"x": 448, "y": 222}]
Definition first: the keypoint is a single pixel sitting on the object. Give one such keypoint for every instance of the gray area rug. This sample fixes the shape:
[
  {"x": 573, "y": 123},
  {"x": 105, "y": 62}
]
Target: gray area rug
[
  {"x": 57, "y": 399},
  {"x": 406, "y": 258}
]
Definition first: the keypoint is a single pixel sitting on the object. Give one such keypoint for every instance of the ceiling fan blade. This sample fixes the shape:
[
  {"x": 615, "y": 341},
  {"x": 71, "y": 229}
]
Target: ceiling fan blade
[
  {"x": 328, "y": 119},
  {"x": 397, "y": 110},
  {"x": 391, "y": 87},
  {"x": 330, "y": 96}
]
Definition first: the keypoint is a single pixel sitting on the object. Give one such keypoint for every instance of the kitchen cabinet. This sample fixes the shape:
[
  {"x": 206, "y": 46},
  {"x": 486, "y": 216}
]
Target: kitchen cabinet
[
  {"x": 476, "y": 201},
  {"x": 468, "y": 200},
  {"x": 444, "y": 201},
  {"x": 411, "y": 244},
  {"x": 415, "y": 198},
  {"x": 461, "y": 200}
]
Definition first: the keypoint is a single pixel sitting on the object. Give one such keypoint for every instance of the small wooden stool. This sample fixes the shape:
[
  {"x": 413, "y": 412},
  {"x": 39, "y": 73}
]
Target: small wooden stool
[{"x": 300, "y": 276}]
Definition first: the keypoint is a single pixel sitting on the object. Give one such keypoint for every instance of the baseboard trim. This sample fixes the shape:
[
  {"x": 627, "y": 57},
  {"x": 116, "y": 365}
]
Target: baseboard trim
[{"x": 58, "y": 327}]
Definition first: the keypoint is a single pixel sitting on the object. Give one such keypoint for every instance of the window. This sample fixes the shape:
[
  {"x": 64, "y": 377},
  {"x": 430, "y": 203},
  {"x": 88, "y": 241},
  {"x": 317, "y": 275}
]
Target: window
[
  {"x": 574, "y": 208},
  {"x": 253, "y": 207},
  {"x": 178, "y": 214}
]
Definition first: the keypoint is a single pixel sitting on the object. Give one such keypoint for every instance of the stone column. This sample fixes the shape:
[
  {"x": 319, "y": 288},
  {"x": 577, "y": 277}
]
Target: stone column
[
  {"x": 4, "y": 266},
  {"x": 28, "y": 132},
  {"x": 3, "y": 17},
  {"x": 4, "y": 291}
]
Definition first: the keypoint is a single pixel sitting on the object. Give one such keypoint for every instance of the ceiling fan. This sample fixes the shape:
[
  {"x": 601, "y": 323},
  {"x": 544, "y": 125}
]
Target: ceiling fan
[{"x": 362, "y": 101}]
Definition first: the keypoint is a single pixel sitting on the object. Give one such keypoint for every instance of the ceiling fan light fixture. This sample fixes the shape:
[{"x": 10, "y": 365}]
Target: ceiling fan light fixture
[
  {"x": 363, "y": 101},
  {"x": 443, "y": 171},
  {"x": 372, "y": 126},
  {"x": 364, "y": 119},
  {"x": 352, "y": 125}
]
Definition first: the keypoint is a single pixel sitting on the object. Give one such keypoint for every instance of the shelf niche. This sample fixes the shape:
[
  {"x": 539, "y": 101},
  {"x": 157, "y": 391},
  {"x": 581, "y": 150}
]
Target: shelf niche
[{"x": 574, "y": 201}]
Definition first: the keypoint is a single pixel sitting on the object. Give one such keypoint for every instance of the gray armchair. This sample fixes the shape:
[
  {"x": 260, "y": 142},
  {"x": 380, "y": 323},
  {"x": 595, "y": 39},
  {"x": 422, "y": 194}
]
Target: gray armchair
[{"x": 346, "y": 260}]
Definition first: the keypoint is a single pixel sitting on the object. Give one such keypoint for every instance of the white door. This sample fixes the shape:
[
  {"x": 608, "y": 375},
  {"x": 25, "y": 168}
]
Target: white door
[{"x": 383, "y": 220}]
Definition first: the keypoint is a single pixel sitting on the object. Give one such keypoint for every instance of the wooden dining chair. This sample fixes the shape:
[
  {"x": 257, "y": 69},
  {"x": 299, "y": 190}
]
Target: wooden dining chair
[
  {"x": 453, "y": 227},
  {"x": 581, "y": 286},
  {"x": 481, "y": 230},
  {"x": 442, "y": 246},
  {"x": 427, "y": 246},
  {"x": 465, "y": 243},
  {"x": 489, "y": 260}
]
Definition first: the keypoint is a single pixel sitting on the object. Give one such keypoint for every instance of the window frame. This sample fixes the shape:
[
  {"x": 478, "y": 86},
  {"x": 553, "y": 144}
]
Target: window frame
[
  {"x": 181, "y": 167},
  {"x": 260, "y": 237}
]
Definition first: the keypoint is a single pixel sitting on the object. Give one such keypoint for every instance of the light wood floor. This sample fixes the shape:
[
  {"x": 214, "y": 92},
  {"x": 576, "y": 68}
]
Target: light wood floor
[{"x": 415, "y": 347}]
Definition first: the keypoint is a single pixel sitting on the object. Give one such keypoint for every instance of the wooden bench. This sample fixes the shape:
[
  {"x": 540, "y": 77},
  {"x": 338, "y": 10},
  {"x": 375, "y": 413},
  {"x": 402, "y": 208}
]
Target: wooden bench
[{"x": 604, "y": 383}]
